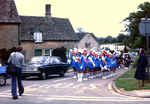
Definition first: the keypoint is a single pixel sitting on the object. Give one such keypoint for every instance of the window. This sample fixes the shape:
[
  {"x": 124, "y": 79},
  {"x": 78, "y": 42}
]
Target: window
[
  {"x": 88, "y": 45},
  {"x": 38, "y": 52},
  {"x": 38, "y": 37},
  {"x": 55, "y": 60},
  {"x": 48, "y": 52}
]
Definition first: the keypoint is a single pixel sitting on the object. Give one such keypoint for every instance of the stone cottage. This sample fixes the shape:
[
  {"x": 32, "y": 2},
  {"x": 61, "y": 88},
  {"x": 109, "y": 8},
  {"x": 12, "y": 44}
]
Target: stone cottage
[
  {"x": 88, "y": 41},
  {"x": 37, "y": 35}
]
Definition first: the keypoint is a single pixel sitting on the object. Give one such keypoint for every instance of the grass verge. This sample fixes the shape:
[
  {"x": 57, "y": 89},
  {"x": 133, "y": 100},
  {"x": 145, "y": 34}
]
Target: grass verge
[{"x": 127, "y": 81}]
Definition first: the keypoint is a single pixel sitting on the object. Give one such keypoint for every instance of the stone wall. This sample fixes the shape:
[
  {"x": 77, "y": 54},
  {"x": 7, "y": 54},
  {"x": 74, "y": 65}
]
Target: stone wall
[
  {"x": 29, "y": 47},
  {"x": 8, "y": 36}
]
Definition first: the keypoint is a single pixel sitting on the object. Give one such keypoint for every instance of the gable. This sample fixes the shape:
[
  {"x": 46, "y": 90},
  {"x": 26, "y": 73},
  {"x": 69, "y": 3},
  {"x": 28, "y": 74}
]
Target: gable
[
  {"x": 8, "y": 12},
  {"x": 82, "y": 35}
]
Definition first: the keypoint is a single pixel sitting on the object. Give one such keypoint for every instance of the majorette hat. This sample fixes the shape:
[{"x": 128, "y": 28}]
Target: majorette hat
[
  {"x": 84, "y": 50},
  {"x": 74, "y": 52},
  {"x": 79, "y": 50},
  {"x": 104, "y": 52}
]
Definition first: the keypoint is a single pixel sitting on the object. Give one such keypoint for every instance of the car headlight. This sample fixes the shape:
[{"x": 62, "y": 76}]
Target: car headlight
[{"x": 36, "y": 68}]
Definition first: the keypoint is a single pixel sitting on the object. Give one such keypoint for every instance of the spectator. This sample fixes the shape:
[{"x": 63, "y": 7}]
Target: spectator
[
  {"x": 18, "y": 59},
  {"x": 140, "y": 73}
]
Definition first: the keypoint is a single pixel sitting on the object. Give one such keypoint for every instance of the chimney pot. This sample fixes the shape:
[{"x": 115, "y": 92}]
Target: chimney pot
[{"x": 48, "y": 11}]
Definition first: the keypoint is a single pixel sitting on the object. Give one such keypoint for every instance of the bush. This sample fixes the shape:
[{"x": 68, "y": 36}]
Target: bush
[
  {"x": 61, "y": 52},
  {"x": 135, "y": 61},
  {"x": 4, "y": 54}
]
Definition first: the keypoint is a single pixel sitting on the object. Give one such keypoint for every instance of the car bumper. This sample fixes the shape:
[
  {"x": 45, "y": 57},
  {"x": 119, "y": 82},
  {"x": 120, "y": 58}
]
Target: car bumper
[{"x": 30, "y": 73}]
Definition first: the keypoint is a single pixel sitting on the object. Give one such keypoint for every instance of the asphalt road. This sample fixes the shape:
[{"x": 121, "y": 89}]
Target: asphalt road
[{"x": 66, "y": 90}]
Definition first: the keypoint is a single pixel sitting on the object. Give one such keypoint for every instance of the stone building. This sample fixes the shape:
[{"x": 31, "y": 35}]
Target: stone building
[
  {"x": 9, "y": 24},
  {"x": 88, "y": 41},
  {"x": 38, "y": 35}
]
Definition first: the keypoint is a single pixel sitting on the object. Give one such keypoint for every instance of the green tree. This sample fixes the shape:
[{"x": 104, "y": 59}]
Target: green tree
[
  {"x": 137, "y": 42},
  {"x": 134, "y": 20},
  {"x": 126, "y": 42},
  {"x": 120, "y": 38},
  {"x": 61, "y": 52}
]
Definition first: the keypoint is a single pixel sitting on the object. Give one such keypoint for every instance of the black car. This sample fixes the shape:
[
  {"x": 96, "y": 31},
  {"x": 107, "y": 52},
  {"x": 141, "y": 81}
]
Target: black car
[{"x": 43, "y": 66}]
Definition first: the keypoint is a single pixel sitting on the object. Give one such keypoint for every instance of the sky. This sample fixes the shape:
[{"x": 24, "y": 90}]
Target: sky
[{"x": 101, "y": 17}]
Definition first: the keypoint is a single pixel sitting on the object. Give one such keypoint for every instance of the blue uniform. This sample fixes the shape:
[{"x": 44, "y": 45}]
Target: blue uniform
[
  {"x": 103, "y": 63},
  {"x": 73, "y": 62},
  {"x": 97, "y": 62},
  {"x": 90, "y": 64},
  {"x": 108, "y": 60},
  {"x": 114, "y": 61},
  {"x": 85, "y": 61},
  {"x": 80, "y": 65}
]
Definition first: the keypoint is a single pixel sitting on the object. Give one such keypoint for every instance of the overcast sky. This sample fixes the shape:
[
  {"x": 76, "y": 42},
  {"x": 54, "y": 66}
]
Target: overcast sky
[{"x": 101, "y": 17}]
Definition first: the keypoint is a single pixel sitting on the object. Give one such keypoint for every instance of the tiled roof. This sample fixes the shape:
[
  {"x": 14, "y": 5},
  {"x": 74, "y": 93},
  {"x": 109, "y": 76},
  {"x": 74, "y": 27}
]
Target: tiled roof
[
  {"x": 8, "y": 12},
  {"x": 81, "y": 35},
  {"x": 52, "y": 28}
]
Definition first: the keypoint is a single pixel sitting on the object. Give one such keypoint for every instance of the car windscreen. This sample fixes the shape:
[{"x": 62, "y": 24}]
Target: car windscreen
[{"x": 41, "y": 59}]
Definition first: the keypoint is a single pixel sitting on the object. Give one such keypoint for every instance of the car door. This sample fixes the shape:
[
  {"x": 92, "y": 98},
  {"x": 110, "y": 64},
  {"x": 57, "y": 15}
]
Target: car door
[{"x": 53, "y": 65}]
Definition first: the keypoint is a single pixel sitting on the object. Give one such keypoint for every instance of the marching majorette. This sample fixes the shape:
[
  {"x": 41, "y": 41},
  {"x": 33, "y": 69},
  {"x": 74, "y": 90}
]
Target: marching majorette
[
  {"x": 97, "y": 64},
  {"x": 85, "y": 64},
  {"x": 74, "y": 63},
  {"x": 109, "y": 64},
  {"x": 91, "y": 64},
  {"x": 114, "y": 63},
  {"x": 80, "y": 65},
  {"x": 103, "y": 65},
  {"x": 126, "y": 61}
]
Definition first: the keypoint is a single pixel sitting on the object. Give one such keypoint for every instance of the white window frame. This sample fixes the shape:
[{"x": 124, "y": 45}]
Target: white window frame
[
  {"x": 48, "y": 54},
  {"x": 38, "y": 37}
]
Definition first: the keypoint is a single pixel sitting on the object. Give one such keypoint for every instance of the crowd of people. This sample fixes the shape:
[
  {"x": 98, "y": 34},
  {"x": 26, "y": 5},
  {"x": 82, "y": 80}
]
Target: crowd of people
[{"x": 92, "y": 64}]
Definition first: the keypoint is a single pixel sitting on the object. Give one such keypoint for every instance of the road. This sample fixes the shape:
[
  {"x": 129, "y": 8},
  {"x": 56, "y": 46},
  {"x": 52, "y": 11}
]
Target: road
[{"x": 66, "y": 90}]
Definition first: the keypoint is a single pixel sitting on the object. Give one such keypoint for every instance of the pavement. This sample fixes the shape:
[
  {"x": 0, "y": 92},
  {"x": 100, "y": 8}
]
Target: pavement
[
  {"x": 135, "y": 93},
  {"x": 144, "y": 93}
]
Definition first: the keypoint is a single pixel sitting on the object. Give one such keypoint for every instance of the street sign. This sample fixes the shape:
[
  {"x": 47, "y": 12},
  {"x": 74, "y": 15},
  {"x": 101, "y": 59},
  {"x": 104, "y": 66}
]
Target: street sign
[{"x": 144, "y": 28}]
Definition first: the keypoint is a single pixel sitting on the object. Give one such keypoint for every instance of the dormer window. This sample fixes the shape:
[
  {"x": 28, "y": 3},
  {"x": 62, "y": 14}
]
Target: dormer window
[{"x": 38, "y": 36}]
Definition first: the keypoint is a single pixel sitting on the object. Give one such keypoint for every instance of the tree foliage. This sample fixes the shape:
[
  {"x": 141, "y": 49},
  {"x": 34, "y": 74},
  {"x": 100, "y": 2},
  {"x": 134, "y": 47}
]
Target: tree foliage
[
  {"x": 134, "y": 20},
  {"x": 4, "y": 54},
  {"x": 61, "y": 52},
  {"x": 108, "y": 39}
]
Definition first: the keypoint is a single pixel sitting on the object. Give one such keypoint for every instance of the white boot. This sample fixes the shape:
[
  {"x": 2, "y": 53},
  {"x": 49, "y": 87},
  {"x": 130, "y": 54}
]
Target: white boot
[
  {"x": 74, "y": 75},
  {"x": 78, "y": 77},
  {"x": 81, "y": 74}
]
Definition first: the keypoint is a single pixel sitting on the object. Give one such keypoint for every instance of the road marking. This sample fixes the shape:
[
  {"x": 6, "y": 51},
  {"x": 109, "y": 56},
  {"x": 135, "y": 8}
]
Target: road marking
[
  {"x": 78, "y": 85},
  {"x": 32, "y": 85},
  {"x": 78, "y": 98},
  {"x": 62, "y": 79}
]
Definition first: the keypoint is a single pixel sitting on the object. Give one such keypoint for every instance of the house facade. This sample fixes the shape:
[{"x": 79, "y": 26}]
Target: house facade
[
  {"x": 88, "y": 41},
  {"x": 37, "y": 35},
  {"x": 9, "y": 24}
]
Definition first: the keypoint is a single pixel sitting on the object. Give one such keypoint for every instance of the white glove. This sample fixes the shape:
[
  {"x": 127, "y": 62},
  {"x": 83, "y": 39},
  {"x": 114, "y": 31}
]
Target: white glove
[{"x": 81, "y": 67}]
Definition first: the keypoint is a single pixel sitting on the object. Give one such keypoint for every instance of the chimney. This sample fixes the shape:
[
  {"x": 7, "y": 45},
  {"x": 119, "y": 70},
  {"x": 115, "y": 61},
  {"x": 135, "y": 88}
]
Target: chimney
[{"x": 48, "y": 11}]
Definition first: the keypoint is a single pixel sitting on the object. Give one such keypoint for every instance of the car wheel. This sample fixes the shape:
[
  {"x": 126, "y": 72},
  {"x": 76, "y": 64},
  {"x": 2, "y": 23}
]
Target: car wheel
[
  {"x": 24, "y": 77},
  {"x": 62, "y": 74},
  {"x": 2, "y": 80},
  {"x": 43, "y": 75}
]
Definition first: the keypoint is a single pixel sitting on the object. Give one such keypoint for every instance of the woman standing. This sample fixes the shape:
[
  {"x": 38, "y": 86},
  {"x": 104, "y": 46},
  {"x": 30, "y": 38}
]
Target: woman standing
[
  {"x": 140, "y": 73},
  {"x": 17, "y": 58}
]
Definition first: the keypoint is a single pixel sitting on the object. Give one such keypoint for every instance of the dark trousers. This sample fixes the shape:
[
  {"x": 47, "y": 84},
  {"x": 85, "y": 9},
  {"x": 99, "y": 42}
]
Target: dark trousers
[{"x": 17, "y": 76}]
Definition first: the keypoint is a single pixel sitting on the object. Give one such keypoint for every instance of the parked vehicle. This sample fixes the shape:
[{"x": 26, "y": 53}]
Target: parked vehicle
[
  {"x": 43, "y": 66},
  {"x": 3, "y": 75}
]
